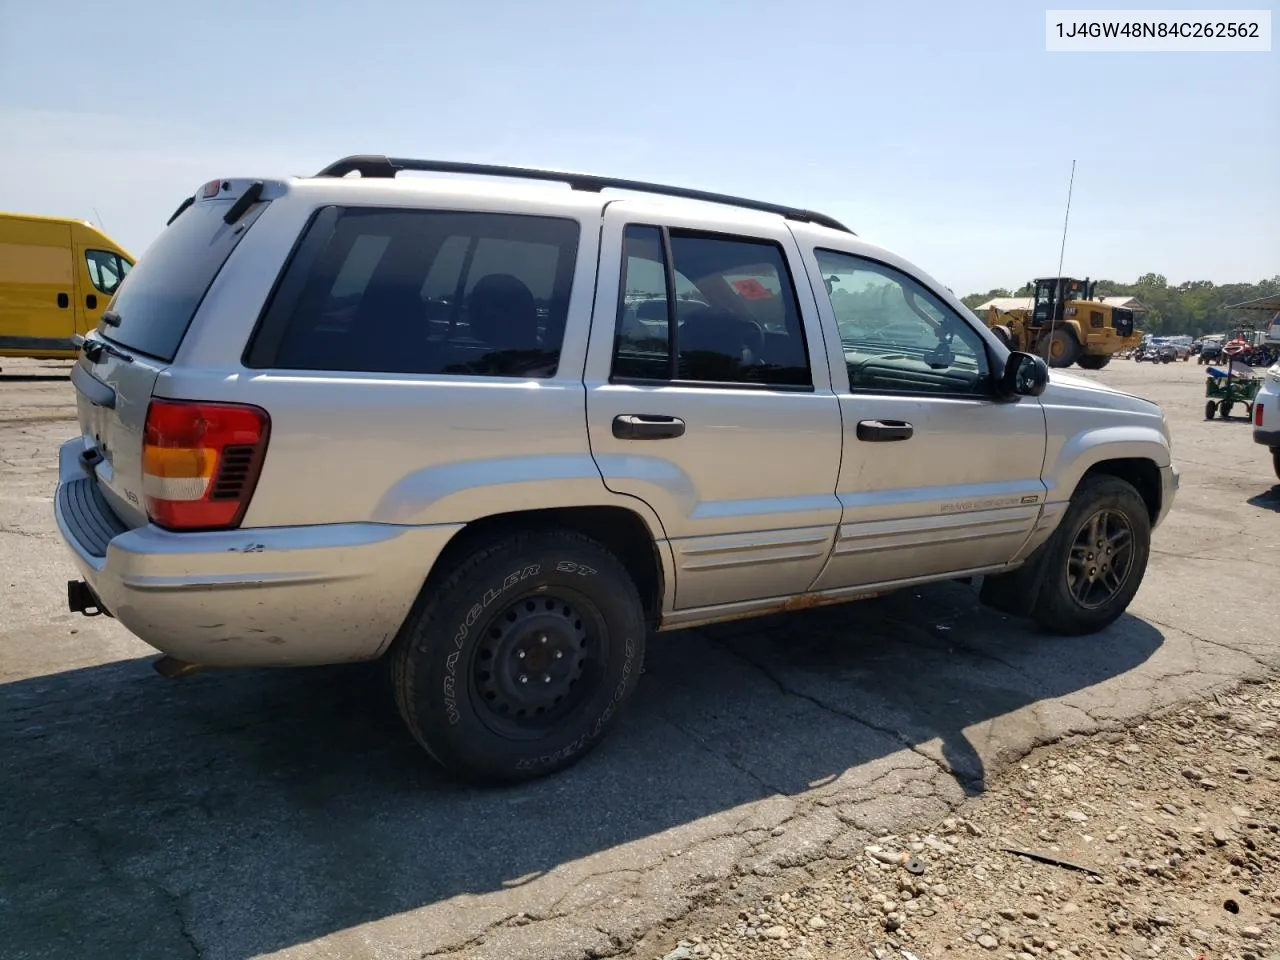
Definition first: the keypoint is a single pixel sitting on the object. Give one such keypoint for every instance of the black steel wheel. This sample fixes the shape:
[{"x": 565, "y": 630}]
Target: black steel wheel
[
  {"x": 516, "y": 662},
  {"x": 536, "y": 661},
  {"x": 1092, "y": 566}
]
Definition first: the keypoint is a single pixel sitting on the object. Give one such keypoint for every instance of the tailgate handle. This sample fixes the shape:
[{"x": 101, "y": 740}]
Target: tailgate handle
[{"x": 93, "y": 389}]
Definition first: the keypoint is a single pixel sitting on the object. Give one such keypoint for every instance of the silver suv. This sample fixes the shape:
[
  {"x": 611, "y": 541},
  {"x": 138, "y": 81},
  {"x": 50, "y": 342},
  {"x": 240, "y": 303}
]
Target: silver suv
[{"x": 499, "y": 430}]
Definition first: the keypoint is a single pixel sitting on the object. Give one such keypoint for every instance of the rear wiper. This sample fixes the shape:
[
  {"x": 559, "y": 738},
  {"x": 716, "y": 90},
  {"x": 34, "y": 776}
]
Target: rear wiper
[
  {"x": 94, "y": 349},
  {"x": 182, "y": 206},
  {"x": 111, "y": 318},
  {"x": 243, "y": 202}
]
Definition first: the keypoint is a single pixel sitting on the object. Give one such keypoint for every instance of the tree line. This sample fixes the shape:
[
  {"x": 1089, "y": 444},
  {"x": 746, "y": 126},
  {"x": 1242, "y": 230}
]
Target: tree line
[{"x": 1195, "y": 308}]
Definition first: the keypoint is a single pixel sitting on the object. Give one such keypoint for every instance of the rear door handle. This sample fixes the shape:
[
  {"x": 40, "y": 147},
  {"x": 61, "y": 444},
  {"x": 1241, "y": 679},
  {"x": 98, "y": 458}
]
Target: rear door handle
[
  {"x": 647, "y": 426},
  {"x": 876, "y": 431}
]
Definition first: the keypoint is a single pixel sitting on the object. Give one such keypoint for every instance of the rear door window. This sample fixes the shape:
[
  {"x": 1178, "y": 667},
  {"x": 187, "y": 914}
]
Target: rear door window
[
  {"x": 157, "y": 299},
  {"x": 736, "y": 318},
  {"x": 423, "y": 292}
]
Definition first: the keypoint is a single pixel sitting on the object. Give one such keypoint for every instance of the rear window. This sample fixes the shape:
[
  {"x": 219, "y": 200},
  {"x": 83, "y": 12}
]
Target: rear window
[
  {"x": 158, "y": 298},
  {"x": 422, "y": 291}
]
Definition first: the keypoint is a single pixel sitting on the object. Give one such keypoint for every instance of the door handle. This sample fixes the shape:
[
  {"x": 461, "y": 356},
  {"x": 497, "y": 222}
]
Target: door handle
[
  {"x": 91, "y": 301},
  {"x": 647, "y": 426},
  {"x": 64, "y": 301},
  {"x": 875, "y": 431}
]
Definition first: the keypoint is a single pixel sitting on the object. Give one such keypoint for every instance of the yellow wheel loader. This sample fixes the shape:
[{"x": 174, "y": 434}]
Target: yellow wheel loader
[{"x": 1066, "y": 324}]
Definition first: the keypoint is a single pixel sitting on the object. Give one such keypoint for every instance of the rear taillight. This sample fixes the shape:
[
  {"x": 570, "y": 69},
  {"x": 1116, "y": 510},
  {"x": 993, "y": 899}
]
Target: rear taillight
[
  {"x": 200, "y": 462},
  {"x": 1257, "y": 414}
]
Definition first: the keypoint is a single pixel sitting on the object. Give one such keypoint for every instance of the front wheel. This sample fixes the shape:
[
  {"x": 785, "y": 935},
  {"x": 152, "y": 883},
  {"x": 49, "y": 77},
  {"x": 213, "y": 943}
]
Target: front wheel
[
  {"x": 1093, "y": 362},
  {"x": 1096, "y": 559},
  {"x": 1064, "y": 348},
  {"x": 1275, "y": 460},
  {"x": 517, "y": 663},
  {"x": 1210, "y": 408}
]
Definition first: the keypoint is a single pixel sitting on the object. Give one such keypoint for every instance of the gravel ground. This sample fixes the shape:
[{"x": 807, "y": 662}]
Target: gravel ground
[{"x": 1168, "y": 837}]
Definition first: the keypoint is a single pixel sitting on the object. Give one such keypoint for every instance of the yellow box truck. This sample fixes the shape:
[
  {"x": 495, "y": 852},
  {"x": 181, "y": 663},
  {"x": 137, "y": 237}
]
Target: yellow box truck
[{"x": 56, "y": 278}]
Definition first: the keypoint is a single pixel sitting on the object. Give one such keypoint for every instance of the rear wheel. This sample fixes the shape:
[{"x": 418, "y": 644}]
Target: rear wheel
[
  {"x": 1093, "y": 362},
  {"x": 1210, "y": 408},
  {"x": 1064, "y": 348},
  {"x": 1096, "y": 559},
  {"x": 1275, "y": 460},
  {"x": 516, "y": 665},
  {"x": 1224, "y": 409}
]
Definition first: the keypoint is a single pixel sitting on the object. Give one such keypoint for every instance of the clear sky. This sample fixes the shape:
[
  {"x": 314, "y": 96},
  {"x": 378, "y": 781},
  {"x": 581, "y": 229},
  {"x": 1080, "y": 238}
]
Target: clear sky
[{"x": 943, "y": 130}]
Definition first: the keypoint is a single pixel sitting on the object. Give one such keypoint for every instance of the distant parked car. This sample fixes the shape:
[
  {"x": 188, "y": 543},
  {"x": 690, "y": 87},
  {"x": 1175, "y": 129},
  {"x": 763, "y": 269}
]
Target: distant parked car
[{"x": 1210, "y": 352}]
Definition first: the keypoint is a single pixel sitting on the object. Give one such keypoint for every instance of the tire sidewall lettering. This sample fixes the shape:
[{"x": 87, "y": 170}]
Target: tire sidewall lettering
[
  {"x": 557, "y": 756},
  {"x": 570, "y": 566},
  {"x": 474, "y": 613}
]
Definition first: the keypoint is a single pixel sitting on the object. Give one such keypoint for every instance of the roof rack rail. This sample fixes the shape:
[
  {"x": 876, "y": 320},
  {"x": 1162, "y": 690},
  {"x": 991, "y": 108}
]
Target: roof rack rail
[{"x": 388, "y": 167}]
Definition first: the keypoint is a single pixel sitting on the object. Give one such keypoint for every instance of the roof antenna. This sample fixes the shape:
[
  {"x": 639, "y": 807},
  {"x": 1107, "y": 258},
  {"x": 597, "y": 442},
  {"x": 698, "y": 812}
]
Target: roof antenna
[
  {"x": 98, "y": 217},
  {"x": 1062, "y": 252}
]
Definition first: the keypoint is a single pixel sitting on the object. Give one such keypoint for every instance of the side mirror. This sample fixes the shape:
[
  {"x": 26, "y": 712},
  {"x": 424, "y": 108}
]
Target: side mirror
[{"x": 1025, "y": 375}]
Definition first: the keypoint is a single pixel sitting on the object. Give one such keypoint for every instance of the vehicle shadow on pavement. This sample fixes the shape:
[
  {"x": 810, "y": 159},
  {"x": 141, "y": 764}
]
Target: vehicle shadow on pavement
[
  {"x": 251, "y": 811},
  {"x": 1269, "y": 500}
]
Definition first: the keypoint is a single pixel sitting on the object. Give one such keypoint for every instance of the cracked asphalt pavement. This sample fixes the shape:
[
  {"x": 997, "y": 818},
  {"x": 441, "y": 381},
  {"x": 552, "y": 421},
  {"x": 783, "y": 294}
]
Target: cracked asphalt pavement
[{"x": 289, "y": 814}]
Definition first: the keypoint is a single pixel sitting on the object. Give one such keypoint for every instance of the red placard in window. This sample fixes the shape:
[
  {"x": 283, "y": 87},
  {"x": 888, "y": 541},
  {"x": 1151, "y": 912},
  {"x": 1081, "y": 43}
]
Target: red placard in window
[{"x": 752, "y": 289}]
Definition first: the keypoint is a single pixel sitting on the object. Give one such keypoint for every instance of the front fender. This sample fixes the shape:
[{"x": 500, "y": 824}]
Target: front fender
[{"x": 1073, "y": 458}]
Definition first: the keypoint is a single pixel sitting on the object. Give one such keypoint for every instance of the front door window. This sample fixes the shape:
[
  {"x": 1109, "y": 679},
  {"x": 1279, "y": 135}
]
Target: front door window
[
  {"x": 106, "y": 270},
  {"x": 897, "y": 336}
]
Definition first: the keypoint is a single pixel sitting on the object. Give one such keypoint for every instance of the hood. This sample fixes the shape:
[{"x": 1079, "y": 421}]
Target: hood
[{"x": 1070, "y": 390}]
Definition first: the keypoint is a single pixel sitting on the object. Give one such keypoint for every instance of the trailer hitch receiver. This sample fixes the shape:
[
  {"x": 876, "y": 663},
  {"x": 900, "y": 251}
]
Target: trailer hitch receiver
[{"x": 81, "y": 599}]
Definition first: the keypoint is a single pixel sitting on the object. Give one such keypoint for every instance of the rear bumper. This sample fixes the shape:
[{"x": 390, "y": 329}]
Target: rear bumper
[
  {"x": 266, "y": 596},
  {"x": 1268, "y": 438}
]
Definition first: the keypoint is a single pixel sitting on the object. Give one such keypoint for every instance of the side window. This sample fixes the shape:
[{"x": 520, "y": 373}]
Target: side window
[
  {"x": 897, "y": 336},
  {"x": 641, "y": 348},
  {"x": 723, "y": 307},
  {"x": 423, "y": 291},
  {"x": 106, "y": 270}
]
